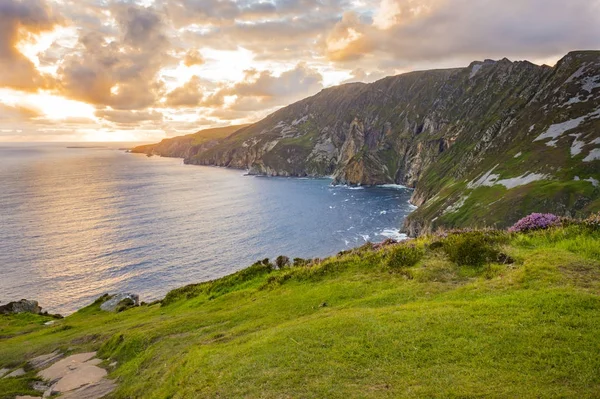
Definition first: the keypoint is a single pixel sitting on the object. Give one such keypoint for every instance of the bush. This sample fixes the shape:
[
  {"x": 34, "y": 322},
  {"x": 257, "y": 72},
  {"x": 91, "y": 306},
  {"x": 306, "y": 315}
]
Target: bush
[
  {"x": 593, "y": 221},
  {"x": 404, "y": 255},
  {"x": 299, "y": 262},
  {"x": 535, "y": 221},
  {"x": 282, "y": 261},
  {"x": 470, "y": 248}
]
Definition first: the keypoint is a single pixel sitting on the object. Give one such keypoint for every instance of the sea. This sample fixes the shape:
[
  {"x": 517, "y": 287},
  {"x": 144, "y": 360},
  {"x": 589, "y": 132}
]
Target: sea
[{"x": 78, "y": 221}]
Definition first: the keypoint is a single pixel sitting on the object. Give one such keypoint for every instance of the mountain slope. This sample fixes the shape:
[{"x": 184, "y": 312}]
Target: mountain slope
[
  {"x": 481, "y": 145},
  {"x": 188, "y": 145}
]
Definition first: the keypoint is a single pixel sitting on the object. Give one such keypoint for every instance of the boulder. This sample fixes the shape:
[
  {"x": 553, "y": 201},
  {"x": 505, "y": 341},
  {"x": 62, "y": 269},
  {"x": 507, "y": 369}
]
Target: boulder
[
  {"x": 120, "y": 302},
  {"x": 22, "y": 306}
]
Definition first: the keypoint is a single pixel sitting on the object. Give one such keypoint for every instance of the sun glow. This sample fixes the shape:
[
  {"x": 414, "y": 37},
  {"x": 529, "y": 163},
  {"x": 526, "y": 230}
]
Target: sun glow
[{"x": 49, "y": 105}]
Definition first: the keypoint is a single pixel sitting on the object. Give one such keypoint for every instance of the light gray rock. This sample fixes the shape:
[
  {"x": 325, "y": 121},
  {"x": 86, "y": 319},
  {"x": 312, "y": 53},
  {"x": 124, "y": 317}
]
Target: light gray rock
[
  {"x": 16, "y": 373},
  {"x": 120, "y": 300},
  {"x": 40, "y": 386},
  {"x": 3, "y": 371},
  {"x": 44, "y": 361},
  {"x": 92, "y": 391},
  {"x": 65, "y": 366},
  {"x": 77, "y": 376}
]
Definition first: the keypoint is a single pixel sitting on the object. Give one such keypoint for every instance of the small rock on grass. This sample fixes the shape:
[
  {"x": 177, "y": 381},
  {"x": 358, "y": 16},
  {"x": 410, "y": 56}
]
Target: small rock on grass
[
  {"x": 43, "y": 361},
  {"x": 120, "y": 302},
  {"x": 92, "y": 391},
  {"x": 16, "y": 373}
]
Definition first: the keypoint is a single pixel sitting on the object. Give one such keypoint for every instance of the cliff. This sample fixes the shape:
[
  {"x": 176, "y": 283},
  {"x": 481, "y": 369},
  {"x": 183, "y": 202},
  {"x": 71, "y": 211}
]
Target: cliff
[
  {"x": 188, "y": 145},
  {"x": 481, "y": 145}
]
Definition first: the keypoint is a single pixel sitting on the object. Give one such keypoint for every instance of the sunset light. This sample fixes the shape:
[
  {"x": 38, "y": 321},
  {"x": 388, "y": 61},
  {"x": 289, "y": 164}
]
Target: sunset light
[{"x": 316, "y": 199}]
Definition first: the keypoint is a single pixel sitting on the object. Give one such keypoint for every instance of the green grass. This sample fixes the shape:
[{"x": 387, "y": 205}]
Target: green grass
[{"x": 352, "y": 327}]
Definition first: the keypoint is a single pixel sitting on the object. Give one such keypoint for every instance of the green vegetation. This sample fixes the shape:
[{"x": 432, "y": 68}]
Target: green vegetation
[
  {"x": 182, "y": 146},
  {"x": 483, "y": 314},
  {"x": 473, "y": 248},
  {"x": 404, "y": 256}
]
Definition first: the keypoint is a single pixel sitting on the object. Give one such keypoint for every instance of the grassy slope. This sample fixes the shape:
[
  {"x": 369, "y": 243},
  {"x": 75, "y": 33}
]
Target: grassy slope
[
  {"x": 528, "y": 330},
  {"x": 193, "y": 139}
]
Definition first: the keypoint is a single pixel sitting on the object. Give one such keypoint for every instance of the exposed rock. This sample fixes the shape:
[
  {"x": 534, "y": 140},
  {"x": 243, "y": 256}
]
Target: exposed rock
[
  {"x": 61, "y": 368},
  {"x": 81, "y": 375},
  {"x": 40, "y": 386},
  {"x": 22, "y": 306},
  {"x": 15, "y": 373},
  {"x": 92, "y": 391},
  {"x": 3, "y": 372},
  {"x": 43, "y": 361},
  {"x": 27, "y": 397},
  {"x": 120, "y": 302},
  {"x": 77, "y": 376}
]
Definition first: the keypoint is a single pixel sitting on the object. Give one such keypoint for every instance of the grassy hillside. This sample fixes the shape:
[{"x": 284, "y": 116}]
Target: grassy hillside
[
  {"x": 182, "y": 146},
  {"x": 455, "y": 315}
]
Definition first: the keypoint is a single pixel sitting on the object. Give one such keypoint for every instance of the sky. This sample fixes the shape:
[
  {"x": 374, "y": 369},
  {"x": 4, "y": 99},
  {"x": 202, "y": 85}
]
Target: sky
[{"x": 143, "y": 70}]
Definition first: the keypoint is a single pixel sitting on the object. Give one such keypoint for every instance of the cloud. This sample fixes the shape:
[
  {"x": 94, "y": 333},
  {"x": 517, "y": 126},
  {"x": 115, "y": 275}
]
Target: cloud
[
  {"x": 20, "y": 21},
  {"x": 193, "y": 57},
  {"x": 262, "y": 89},
  {"x": 122, "y": 72},
  {"x": 16, "y": 113},
  {"x": 129, "y": 117},
  {"x": 360, "y": 75},
  {"x": 188, "y": 95},
  {"x": 125, "y": 58},
  {"x": 413, "y": 31}
]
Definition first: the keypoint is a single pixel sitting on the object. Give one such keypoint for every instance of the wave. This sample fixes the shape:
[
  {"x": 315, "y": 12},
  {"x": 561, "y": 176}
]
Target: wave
[
  {"x": 393, "y": 234},
  {"x": 394, "y": 186}
]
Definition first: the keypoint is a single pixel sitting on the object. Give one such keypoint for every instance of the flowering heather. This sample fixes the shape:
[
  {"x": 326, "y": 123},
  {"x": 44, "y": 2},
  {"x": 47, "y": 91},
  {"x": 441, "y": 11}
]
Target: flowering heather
[{"x": 535, "y": 221}]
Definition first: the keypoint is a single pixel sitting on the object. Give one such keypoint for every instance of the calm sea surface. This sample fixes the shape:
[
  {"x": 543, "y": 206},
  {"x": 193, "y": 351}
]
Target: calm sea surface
[{"x": 78, "y": 222}]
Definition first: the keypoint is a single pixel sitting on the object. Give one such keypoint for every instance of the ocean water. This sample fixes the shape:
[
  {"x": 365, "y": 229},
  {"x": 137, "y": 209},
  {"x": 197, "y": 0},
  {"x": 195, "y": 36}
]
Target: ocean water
[{"x": 79, "y": 222}]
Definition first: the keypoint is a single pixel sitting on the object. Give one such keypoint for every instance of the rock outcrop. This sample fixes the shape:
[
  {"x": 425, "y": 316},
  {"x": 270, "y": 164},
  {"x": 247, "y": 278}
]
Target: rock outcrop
[
  {"x": 22, "y": 306},
  {"x": 481, "y": 145},
  {"x": 120, "y": 302}
]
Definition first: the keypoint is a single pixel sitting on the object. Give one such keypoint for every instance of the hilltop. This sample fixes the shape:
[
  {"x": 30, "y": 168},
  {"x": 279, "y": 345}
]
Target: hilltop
[{"x": 457, "y": 314}]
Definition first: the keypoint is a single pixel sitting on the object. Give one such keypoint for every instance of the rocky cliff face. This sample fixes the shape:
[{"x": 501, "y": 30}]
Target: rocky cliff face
[{"x": 481, "y": 145}]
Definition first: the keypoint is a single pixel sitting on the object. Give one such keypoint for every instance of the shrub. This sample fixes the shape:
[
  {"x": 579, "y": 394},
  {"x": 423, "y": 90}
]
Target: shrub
[
  {"x": 404, "y": 255},
  {"x": 593, "y": 221},
  {"x": 282, "y": 261},
  {"x": 299, "y": 262},
  {"x": 470, "y": 248},
  {"x": 126, "y": 303},
  {"x": 535, "y": 221}
]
